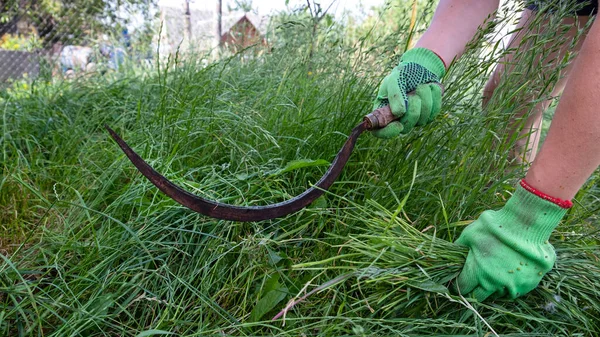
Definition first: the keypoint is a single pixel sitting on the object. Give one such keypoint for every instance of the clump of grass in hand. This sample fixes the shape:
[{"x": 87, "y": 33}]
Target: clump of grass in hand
[{"x": 394, "y": 270}]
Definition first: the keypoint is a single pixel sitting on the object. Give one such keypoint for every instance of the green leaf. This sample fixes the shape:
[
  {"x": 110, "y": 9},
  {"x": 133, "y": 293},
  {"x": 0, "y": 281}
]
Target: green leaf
[
  {"x": 297, "y": 164},
  {"x": 101, "y": 304},
  {"x": 267, "y": 303},
  {"x": 429, "y": 286},
  {"x": 320, "y": 203},
  {"x": 244, "y": 176},
  {"x": 271, "y": 284},
  {"x": 153, "y": 333},
  {"x": 274, "y": 258}
]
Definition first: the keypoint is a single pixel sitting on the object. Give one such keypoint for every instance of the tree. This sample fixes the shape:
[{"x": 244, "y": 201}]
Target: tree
[
  {"x": 245, "y": 6},
  {"x": 308, "y": 27},
  {"x": 396, "y": 20},
  {"x": 68, "y": 21}
]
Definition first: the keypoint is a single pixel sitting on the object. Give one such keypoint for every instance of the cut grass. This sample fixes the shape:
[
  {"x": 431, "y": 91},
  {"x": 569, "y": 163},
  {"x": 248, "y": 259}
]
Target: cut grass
[{"x": 104, "y": 253}]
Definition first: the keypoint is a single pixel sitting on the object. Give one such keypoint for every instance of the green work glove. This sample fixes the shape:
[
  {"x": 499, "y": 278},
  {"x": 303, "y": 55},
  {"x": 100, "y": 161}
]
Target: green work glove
[
  {"x": 420, "y": 70},
  {"x": 509, "y": 249}
]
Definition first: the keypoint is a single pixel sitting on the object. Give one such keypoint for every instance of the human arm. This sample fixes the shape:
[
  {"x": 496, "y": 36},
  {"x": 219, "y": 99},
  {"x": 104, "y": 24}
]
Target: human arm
[
  {"x": 571, "y": 151},
  {"x": 509, "y": 248},
  {"x": 454, "y": 24},
  {"x": 420, "y": 70}
]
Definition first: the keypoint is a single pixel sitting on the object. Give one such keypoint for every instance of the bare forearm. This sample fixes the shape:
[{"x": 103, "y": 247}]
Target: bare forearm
[
  {"x": 571, "y": 151},
  {"x": 454, "y": 24}
]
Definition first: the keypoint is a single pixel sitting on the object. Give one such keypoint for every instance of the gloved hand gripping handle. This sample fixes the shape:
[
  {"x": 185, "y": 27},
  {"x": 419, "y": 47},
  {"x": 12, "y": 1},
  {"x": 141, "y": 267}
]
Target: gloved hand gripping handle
[{"x": 380, "y": 118}]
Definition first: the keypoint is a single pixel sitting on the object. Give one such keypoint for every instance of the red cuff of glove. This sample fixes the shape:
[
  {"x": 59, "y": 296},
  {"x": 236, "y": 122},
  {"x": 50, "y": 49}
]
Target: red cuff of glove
[{"x": 566, "y": 204}]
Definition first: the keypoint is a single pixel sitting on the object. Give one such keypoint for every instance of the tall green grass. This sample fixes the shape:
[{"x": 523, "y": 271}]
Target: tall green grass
[{"x": 93, "y": 249}]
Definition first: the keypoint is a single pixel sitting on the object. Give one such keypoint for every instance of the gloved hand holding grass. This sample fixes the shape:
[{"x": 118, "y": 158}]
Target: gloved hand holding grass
[
  {"x": 420, "y": 70},
  {"x": 509, "y": 249}
]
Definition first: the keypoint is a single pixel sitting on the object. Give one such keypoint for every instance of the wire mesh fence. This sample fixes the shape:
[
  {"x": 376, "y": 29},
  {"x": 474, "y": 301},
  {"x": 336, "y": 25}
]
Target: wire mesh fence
[{"x": 64, "y": 38}]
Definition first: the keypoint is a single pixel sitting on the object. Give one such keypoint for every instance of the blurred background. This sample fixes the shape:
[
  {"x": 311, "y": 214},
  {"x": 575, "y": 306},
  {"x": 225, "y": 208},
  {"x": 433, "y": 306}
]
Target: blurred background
[{"x": 64, "y": 38}]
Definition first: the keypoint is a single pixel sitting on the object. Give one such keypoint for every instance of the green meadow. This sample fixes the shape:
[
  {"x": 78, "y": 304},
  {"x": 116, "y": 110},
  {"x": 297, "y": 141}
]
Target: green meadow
[{"x": 89, "y": 247}]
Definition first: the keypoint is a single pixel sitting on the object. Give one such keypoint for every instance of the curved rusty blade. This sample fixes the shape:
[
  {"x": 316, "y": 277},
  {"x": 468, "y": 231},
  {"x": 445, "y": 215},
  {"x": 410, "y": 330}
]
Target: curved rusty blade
[{"x": 244, "y": 213}]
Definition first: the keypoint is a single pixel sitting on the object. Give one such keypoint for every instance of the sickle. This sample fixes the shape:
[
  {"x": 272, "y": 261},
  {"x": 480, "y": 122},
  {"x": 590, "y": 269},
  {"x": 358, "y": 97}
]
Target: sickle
[{"x": 375, "y": 120}]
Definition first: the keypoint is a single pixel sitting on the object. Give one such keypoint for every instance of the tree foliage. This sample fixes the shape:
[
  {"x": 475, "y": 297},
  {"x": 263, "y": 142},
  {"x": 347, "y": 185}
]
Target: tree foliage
[
  {"x": 312, "y": 30},
  {"x": 395, "y": 21},
  {"x": 72, "y": 21}
]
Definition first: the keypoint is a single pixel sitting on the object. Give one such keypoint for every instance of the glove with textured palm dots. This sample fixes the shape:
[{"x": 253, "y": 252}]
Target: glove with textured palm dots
[{"x": 420, "y": 70}]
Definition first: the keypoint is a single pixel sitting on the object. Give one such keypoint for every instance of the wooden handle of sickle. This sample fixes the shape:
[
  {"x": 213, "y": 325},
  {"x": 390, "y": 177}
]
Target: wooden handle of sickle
[{"x": 379, "y": 118}]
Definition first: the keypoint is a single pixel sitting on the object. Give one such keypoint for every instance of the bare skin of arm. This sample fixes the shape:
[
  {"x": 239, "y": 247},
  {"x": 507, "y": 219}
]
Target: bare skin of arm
[
  {"x": 454, "y": 24},
  {"x": 571, "y": 151}
]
